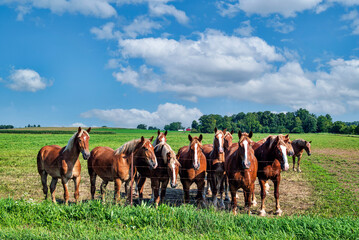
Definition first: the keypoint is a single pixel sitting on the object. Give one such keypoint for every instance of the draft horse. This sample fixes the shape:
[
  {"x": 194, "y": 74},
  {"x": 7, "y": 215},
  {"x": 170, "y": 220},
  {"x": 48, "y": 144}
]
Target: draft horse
[
  {"x": 299, "y": 145},
  {"x": 193, "y": 167},
  {"x": 271, "y": 154},
  {"x": 241, "y": 167},
  {"x": 63, "y": 163},
  {"x": 215, "y": 165},
  {"x": 115, "y": 166}
]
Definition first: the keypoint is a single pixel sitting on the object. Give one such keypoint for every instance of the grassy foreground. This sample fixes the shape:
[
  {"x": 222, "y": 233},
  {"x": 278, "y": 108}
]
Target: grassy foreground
[{"x": 93, "y": 220}]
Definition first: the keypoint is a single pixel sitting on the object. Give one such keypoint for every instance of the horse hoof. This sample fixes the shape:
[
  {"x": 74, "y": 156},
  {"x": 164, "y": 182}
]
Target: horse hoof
[
  {"x": 262, "y": 213},
  {"x": 254, "y": 203},
  {"x": 279, "y": 212},
  {"x": 227, "y": 199},
  {"x": 299, "y": 170},
  {"x": 294, "y": 169}
]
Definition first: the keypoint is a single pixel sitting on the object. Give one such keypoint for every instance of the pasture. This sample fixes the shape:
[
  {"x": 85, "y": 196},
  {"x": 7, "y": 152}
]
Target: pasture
[{"x": 319, "y": 202}]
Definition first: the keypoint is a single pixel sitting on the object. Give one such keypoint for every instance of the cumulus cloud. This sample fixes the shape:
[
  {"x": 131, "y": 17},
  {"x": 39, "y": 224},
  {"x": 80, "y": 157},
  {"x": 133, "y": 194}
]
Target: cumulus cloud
[
  {"x": 245, "y": 29},
  {"x": 78, "y": 124},
  {"x": 159, "y": 8},
  {"x": 142, "y": 25},
  {"x": 352, "y": 17},
  {"x": 105, "y": 31},
  {"x": 280, "y": 26},
  {"x": 97, "y": 8},
  {"x": 27, "y": 80},
  {"x": 130, "y": 118}
]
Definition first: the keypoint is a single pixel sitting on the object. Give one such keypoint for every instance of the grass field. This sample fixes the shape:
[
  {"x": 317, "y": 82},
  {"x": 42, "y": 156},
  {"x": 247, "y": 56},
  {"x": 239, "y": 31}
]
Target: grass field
[{"x": 320, "y": 202}]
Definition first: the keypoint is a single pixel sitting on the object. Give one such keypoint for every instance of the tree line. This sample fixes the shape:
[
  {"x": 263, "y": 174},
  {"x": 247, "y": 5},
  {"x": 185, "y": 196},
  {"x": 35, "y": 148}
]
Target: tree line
[
  {"x": 6, "y": 126},
  {"x": 300, "y": 121}
]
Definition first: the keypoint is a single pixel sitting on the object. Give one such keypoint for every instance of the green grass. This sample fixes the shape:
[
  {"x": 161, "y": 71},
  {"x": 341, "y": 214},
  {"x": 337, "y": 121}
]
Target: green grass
[{"x": 93, "y": 220}]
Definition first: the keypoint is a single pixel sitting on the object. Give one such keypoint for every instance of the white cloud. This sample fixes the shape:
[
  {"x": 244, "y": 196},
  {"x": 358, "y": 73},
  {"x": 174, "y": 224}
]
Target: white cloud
[
  {"x": 245, "y": 29},
  {"x": 142, "y": 25},
  {"x": 129, "y": 118},
  {"x": 159, "y": 8},
  {"x": 78, "y": 124},
  {"x": 97, "y": 8},
  {"x": 280, "y": 26},
  {"x": 27, "y": 80},
  {"x": 353, "y": 17},
  {"x": 105, "y": 31}
]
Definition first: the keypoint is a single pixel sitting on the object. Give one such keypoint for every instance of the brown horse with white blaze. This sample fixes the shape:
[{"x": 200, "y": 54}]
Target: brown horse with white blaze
[
  {"x": 63, "y": 163},
  {"x": 215, "y": 165},
  {"x": 241, "y": 167},
  {"x": 115, "y": 166},
  {"x": 299, "y": 145},
  {"x": 271, "y": 153},
  {"x": 193, "y": 167}
]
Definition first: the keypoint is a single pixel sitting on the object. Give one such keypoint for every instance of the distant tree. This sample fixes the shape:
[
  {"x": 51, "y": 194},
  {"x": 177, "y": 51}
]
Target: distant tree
[
  {"x": 356, "y": 131},
  {"x": 194, "y": 124},
  {"x": 152, "y": 128},
  {"x": 38, "y": 125},
  {"x": 310, "y": 124},
  {"x": 174, "y": 126},
  {"x": 6, "y": 126},
  {"x": 338, "y": 127},
  {"x": 207, "y": 123},
  {"x": 141, "y": 126}
]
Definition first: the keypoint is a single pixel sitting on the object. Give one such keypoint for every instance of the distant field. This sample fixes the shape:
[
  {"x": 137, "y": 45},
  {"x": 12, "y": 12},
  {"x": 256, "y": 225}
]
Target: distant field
[{"x": 327, "y": 187}]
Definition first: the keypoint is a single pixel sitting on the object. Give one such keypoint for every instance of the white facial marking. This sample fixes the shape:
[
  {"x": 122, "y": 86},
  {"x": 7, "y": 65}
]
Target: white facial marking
[
  {"x": 173, "y": 172},
  {"x": 245, "y": 144},
  {"x": 284, "y": 152},
  {"x": 85, "y": 138},
  {"x": 195, "y": 155},
  {"x": 220, "y": 142},
  {"x": 163, "y": 140}
]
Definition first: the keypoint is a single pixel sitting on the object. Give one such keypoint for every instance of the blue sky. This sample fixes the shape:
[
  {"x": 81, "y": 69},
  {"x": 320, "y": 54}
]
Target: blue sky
[{"x": 121, "y": 62}]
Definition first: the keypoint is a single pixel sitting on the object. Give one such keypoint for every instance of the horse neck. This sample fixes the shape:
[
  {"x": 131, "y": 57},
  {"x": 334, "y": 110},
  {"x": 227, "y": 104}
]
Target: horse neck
[
  {"x": 264, "y": 155},
  {"x": 72, "y": 153}
]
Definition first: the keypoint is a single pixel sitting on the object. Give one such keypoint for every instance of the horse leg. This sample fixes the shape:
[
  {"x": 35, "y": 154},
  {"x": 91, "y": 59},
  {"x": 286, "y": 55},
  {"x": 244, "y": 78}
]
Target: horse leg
[
  {"x": 65, "y": 181},
  {"x": 298, "y": 162},
  {"x": 247, "y": 200},
  {"x": 117, "y": 190},
  {"x": 44, "y": 183},
  {"x": 214, "y": 187},
  {"x": 254, "y": 199},
  {"x": 186, "y": 185},
  {"x": 226, "y": 188},
  {"x": 233, "y": 191},
  {"x": 164, "y": 189},
  {"x": 140, "y": 185},
  {"x": 103, "y": 189},
  {"x": 200, "y": 189},
  {"x": 155, "y": 184},
  {"x": 276, "y": 195},
  {"x": 262, "y": 183},
  {"x": 93, "y": 184},
  {"x": 294, "y": 163},
  {"x": 221, "y": 189},
  {"x": 77, "y": 187},
  {"x": 208, "y": 181},
  {"x": 52, "y": 189}
]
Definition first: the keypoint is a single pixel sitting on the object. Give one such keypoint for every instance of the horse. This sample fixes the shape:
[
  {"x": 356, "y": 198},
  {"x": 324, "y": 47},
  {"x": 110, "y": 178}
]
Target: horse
[
  {"x": 115, "y": 166},
  {"x": 227, "y": 143},
  {"x": 63, "y": 163},
  {"x": 271, "y": 154},
  {"x": 215, "y": 165},
  {"x": 241, "y": 168},
  {"x": 299, "y": 145},
  {"x": 193, "y": 167},
  {"x": 168, "y": 168}
]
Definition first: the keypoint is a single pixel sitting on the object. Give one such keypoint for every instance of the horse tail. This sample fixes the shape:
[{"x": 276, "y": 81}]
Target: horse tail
[{"x": 40, "y": 162}]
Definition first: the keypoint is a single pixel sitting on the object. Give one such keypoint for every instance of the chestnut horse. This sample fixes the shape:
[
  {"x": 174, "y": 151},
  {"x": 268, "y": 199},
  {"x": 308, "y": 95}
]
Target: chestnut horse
[
  {"x": 193, "y": 167},
  {"x": 228, "y": 140},
  {"x": 215, "y": 165},
  {"x": 241, "y": 167},
  {"x": 271, "y": 153},
  {"x": 115, "y": 165},
  {"x": 63, "y": 163},
  {"x": 167, "y": 169},
  {"x": 299, "y": 145}
]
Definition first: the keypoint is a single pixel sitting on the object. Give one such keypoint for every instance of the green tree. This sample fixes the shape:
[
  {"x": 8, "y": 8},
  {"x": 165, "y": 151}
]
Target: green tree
[
  {"x": 141, "y": 126},
  {"x": 310, "y": 124},
  {"x": 174, "y": 126},
  {"x": 207, "y": 123},
  {"x": 194, "y": 125},
  {"x": 297, "y": 126}
]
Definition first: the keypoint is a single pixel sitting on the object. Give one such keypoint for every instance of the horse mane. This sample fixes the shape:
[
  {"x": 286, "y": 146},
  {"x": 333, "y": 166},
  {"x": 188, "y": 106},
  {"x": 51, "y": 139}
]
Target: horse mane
[
  {"x": 71, "y": 141},
  {"x": 270, "y": 139},
  {"x": 165, "y": 149},
  {"x": 127, "y": 147}
]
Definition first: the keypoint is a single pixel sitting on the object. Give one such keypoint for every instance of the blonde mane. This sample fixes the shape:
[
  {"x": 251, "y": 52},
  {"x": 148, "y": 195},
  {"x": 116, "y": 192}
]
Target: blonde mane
[
  {"x": 165, "y": 149},
  {"x": 128, "y": 147},
  {"x": 71, "y": 141}
]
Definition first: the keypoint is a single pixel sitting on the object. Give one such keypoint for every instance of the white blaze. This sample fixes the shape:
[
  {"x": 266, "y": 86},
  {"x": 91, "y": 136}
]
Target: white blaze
[
  {"x": 284, "y": 152},
  {"x": 245, "y": 144},
  {"x": 173, "y": 173},
  {"x": 220, "y": 143},
  {"x": 195, "y": 156},
  {"x": 163, "y": 140}
]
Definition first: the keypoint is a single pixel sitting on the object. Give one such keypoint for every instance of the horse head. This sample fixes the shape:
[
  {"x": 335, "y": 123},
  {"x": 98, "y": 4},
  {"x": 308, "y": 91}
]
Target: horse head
[
  {"x": 228, "y": 138},
  {"x": 308, "y": 147},
  {"x": 146, "y": 150},
  {"x": 288, "y": 142},
  {"x": 82, "y": 141},
  {"x": 280, "y": 145},
  {"x": 218, "y": 142},
  {"x": 244, "y": 146},
  {"x": 173, "y": 167},
  {"x": 195, "y": 149},
  {"x": 161, "y": 137}
]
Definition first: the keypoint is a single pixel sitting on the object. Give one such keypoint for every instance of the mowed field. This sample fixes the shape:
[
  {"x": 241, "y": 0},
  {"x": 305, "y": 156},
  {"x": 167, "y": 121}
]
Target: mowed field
[{"x": 326, "y": 192}]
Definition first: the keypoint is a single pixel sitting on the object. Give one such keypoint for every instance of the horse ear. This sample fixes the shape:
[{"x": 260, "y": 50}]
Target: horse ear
[
  {"x": 287, "y": 136},
  {"x": 190, "y": 137},
  {"x": 224, "y": 131},
  {"x": 79, "y": 130},
  {"x": 277, "y": 139},
  {"x": 250, "y": 134},
  {"x": 142, "y": 139},
  {"x": 215, "y": 129},
  {"x": 158, "y": 132},
  {"x": 166, "y": 133},
  {"x": 200, "y": 138},
  {"x": 151, "y": 139},
  {"x": 310, "y": 141},
  {"x": 232, "y": 132},
  {"x": 88, "y": 130},
  {"x": 239, "y": 134}
]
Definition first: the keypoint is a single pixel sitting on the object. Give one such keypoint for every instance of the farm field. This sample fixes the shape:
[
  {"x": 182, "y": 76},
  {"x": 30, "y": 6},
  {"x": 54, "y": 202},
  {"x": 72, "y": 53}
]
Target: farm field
[{"x": 322, "y": 201}]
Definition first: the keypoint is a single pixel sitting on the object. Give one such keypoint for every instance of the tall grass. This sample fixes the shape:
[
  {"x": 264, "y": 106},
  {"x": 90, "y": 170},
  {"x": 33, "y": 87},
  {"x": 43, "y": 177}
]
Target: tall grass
[{"x": 93, "y": 220}]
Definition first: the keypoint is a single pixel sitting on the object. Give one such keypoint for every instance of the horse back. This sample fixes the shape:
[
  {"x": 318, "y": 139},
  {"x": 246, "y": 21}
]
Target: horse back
[
  {"x": 207, "y": 149},
  {"x": 298, "y": 148},
  {"x": 49, "y": 159}
]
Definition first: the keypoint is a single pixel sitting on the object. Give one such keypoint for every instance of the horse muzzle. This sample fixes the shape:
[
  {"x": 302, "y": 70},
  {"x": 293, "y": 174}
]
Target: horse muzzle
[
  {"x": 291, "y": 153},
  {"x": 173, "y": 185},
  {"x": 85, "y": 154},
  {"x": 196, "y": 167},
  {"x": 246, "y": 165},
  {"x": 284, "y": 167}
]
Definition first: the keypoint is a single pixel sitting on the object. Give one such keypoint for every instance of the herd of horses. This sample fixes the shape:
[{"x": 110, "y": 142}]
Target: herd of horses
[{"x": 225, "y": 164}]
